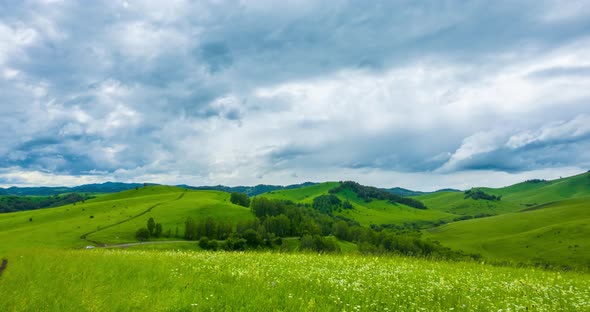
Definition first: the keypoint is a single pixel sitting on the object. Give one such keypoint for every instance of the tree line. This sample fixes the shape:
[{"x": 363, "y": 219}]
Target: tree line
[
  {"x": 477, "y": 194},
  {"x": 369, "y": 193},
  {"x": 22, "y": 203},
  {"x": 313, "y": 225}
]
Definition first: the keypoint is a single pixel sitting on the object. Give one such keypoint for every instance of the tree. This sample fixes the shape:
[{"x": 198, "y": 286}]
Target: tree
[
  {"x": 252, "y": 237},
  {"x": 151, "y": 225},
  {"x": 340, "y": 230},
  {"x": 158, "y": 230},
  {"x": 142, "y": 234},
  {"x": 240, "y": 199},
  {"x": 204, "y": 242}
]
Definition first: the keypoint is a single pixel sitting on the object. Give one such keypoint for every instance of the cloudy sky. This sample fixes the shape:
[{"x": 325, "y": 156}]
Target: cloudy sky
[{"x": 417, "y": 94}]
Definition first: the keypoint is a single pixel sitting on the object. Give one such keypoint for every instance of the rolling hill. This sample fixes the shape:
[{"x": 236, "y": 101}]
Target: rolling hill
[
  {"x": 113, "y": 218},
  {"x": 535, "y": 221},
  {"x": 378, "y": 212},
  {"x": 554, "y": 233}
]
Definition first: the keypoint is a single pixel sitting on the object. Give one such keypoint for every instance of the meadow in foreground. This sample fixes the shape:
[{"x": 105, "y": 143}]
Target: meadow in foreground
[{"x": 119, "y": 280}]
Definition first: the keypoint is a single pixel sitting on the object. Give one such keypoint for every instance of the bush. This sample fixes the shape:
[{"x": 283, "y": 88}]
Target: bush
[
  {"x": 204, "y": 242},
  {"x": 213, "y": 245},
  {"x": 143, "y": 234},
  {"x": 240, "y": 199},
  {"x": 252, "y": 237},
  {"x": 319, "y": 244},
  {"x": 479, "y": 194}
]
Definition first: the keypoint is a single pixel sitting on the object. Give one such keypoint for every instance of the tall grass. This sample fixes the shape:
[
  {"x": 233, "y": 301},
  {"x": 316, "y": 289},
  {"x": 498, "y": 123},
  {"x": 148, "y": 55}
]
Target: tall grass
[{"x": 118, "y": 280}]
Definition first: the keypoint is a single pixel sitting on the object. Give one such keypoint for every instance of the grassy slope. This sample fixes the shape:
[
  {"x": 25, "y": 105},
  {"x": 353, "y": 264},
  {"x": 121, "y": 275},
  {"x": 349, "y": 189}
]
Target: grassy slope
[
  {"x": 383, "y": 212},
  {"x": 374, "y": 212},
  {"x": 197, "y": 204},
  {"x": 577, "y": 186},
  {"x": 63, "y": 226},
  {"x": 556, "y": 233},
  {"x": 303, "y": 194},
  {"x": 515, "y": 198},
  {"x": 454, "y": 202},
  {"x": 115, "y": 280}
]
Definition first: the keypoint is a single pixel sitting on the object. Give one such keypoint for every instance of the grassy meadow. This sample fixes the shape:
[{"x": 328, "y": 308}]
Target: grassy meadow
[{"x": 120, "y": 280}]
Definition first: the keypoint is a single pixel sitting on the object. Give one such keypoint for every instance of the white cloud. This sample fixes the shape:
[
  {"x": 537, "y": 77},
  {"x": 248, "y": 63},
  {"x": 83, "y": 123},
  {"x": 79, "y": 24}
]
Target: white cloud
[{"x": 225, "y": 92}]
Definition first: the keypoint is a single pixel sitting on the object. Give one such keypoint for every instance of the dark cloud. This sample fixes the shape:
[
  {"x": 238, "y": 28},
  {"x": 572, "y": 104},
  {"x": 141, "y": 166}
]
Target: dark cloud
[{"x": 224, "y": 89}]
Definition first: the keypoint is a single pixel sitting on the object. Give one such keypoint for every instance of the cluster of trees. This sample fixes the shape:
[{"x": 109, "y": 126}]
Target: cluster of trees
[
  {"x": 208, "y": 227},
  {"x": 22, "y": 203},
  {"x": 369, "y": 193},
  {"x": 284, "y": 218},
  {"x": 479, "y": 194},
  {"x": 215, "y": 235},
  {"x": 315, "y": 227},
  {"x": 152, "y": 229},
  {"x": 319, "y": 243},
  {"x": 328, "y": 203},
  {"x": 534, "y": 181},
  {"x": 240, "y": 199}
]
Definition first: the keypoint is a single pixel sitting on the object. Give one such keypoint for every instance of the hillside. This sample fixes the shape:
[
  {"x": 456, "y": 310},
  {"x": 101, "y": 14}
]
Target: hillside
[
  {"x": 555, "y": 233},
  {"x": 378, "y": 212},
  {"x": 113, "y": 218},
  {"x": 456, "y": 203},
  {"x": 514, "y": 198},
  {"x": 304, "y": 194},
  {"x": 536, "y": 192}
]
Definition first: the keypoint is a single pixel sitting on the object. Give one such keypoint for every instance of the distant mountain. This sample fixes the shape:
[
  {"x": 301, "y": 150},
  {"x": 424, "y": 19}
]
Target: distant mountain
[
  {"x": 248, "y": 190},
  {"x": 404, "y": 192},
  {"x": 114, "y": 187},
  {"x": 449, "y": 190},
  {"x": 108, "y": 187}
]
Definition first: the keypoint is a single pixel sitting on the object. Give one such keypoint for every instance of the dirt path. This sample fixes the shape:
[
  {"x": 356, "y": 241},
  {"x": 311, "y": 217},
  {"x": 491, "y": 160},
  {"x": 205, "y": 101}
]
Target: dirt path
[{"x": 84, "y": 236}]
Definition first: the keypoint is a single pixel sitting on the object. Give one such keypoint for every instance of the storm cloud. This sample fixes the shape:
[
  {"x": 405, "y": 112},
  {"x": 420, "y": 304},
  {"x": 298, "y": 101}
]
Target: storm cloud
[{"x": 389, "y": 93}]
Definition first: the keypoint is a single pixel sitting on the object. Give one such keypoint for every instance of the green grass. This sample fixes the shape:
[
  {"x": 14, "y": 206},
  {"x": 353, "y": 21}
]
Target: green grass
[
  {"x": 374, "y": 212},
  {"x": 113, "y": 218},
  {"x": 555, "y": 233},
  {"x": 455, "y": 203},
  {"x": 383, "y": 212},
  {"x": 303, "y": 194},
  {"x": 577, "y": 186},
  {"x": 172, "y": 214},
  {"x": 176, "y": 246},
  {"x": 118, "y": 280}
]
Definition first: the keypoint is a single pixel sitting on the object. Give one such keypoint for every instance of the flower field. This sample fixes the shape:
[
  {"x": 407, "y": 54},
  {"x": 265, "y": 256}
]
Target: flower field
[{"x": 119, "y": 280}]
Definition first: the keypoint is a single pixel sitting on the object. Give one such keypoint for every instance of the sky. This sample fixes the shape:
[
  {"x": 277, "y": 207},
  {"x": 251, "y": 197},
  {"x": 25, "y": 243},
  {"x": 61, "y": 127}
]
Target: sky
[{"x": 418, "y": 94}]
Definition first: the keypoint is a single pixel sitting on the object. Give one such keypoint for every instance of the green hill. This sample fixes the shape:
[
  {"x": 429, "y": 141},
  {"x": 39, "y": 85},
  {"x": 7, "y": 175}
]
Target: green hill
[
  {"x": 114, "y": 218},
  {"x": 515, "y": 198},
  {"x": 456, "y": 203},
  {"x": 554, "y": 233},
  {"x": 304, "y": 194},
  {"x": 378, "y": 212},
  {"x": 537, "y": 192}
]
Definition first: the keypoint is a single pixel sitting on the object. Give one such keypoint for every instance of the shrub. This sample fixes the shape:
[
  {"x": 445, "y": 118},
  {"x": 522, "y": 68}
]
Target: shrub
[
  {"x": 204, "y": 242},
  {"x": 240, "y": 199},
  {"x": 143, "y": 234}
]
